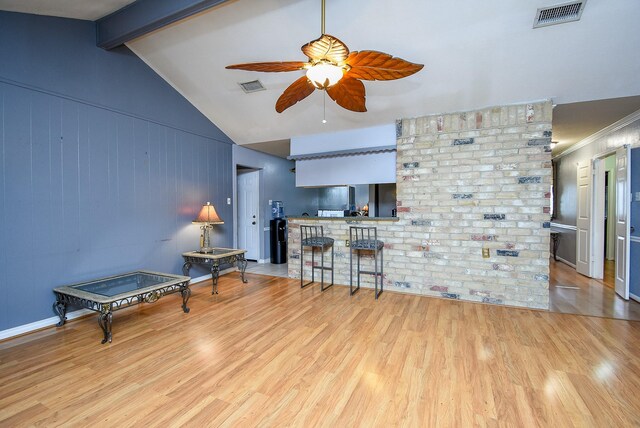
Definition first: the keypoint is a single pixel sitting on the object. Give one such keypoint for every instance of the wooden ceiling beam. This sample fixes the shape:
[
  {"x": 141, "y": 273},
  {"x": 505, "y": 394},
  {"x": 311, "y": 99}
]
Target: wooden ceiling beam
[{"x": 144, "y": 16}]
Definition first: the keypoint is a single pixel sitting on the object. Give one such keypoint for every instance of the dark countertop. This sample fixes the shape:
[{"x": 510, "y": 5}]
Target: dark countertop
[{"x": 354, "y": 218}]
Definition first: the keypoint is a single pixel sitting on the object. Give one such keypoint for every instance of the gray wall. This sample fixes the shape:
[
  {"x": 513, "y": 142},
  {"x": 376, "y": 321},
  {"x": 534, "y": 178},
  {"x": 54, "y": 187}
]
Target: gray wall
[
  {"x": 565, "y": 213},
  {"x": 387, "y": 200},
  {"x": 103, "y": 164},
  {"x": 566, "y": 180},
  {"x": 277, "y": 183}
]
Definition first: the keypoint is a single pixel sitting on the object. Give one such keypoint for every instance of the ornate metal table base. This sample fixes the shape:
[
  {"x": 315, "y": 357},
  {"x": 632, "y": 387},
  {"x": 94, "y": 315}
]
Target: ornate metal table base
[
  {"x": 151, "y": 292},
  {"x": 219, "y": 256}
]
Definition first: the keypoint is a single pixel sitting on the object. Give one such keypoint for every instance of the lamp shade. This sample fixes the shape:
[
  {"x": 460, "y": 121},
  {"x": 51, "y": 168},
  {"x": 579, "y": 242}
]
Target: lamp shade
[{"x": 208, "y": 215}]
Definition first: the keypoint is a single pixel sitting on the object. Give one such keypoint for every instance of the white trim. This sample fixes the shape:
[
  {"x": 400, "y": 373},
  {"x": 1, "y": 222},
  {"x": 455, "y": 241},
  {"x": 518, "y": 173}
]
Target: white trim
[
  {"x": 605, "y": 154},
  {"x": 568, "y": 263},
  {"x": 634, "y": 297},
  {"x": 602, "y": 133},
  {"x": 564, "y": 226},
  {"x": 37, "y": 325},
  {"x": 48, "y": 322},
  {"x": 634, "y": 238},
  {"x": 264, "y": 260},
  {"x": 597, "y": 215}
]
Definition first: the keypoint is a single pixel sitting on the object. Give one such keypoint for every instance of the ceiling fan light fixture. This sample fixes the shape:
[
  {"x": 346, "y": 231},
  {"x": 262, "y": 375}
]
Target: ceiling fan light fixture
[
  {"x": 332, "y": 67},
  {"x": 324, "y": 74}
]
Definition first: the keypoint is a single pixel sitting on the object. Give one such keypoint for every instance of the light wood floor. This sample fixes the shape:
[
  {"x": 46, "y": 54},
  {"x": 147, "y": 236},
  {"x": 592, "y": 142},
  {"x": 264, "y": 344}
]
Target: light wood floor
[
  {"x": 270, "y": 354},
  {"x": 609, "y": 279},
  {"x": 572, "y": 293}
]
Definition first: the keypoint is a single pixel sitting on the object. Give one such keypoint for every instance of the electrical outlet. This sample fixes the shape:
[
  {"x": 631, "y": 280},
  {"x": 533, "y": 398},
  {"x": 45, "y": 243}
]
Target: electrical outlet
[
  {"x": 228, "y": 201},
  {"x": 637, "y": 196},
  {"x": 347, "y": 243},
  {"x": 485, "y": 253},
  {"x": 270, "y": 201}
]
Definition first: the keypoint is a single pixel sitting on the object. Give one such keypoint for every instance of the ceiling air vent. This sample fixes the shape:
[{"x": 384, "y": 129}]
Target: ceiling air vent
[
  {"x": 253, "y": 86},
  {"x": 559, "y": 14}
]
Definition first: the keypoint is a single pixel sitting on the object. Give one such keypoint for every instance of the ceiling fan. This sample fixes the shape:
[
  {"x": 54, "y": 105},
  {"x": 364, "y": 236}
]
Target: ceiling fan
[{"x": 333, "y": 68}]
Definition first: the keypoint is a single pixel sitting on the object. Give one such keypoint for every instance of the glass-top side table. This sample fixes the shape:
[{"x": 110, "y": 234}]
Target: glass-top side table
[{"x": 214, "y": 259}]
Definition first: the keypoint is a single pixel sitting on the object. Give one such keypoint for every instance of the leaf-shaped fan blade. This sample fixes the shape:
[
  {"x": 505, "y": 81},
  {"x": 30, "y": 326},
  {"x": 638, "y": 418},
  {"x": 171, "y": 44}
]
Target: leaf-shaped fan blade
[
  {"x": 297, "y": 91},
  {"x": 326, "y": 47},
  {"x": 269, "y": 66},
  {"x": 348, "y": 93},
  {"x": 372, "y": 65}
]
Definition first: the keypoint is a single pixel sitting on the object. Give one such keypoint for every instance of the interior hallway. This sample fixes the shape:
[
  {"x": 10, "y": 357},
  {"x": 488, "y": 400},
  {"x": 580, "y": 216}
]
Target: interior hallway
[{"x": 572, "y": 293}]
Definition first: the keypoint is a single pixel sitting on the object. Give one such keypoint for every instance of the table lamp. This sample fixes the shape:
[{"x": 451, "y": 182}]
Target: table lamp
[{"x": 207, "y": 218}]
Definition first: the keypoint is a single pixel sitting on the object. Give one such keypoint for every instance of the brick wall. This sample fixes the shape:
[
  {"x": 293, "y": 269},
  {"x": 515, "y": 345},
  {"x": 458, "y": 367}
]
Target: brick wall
[{"x": 465, "y": 181}]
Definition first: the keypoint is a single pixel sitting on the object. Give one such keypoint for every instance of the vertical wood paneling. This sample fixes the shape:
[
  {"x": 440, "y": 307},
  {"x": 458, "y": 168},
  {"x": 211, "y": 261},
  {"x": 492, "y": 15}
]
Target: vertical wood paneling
[
  {"x": 109, "y": 237},
  {"x": 17, "y": 171},
  {"x": 41, "y": 172},
  {"x": 56, "y": 207},
  {"x": 18, "y": 197},
  {"x": 70, "y": 182},
  {"x": 141, "y": 189},
  {"x": 97, "y": 207},
  {"x": 155, "y": 180},
  {"x": 84, "y": 190},
  {"x": 93, "y": 192},
  {"x": 4, "y": 291},
  {"x": 126, "y": 197}
]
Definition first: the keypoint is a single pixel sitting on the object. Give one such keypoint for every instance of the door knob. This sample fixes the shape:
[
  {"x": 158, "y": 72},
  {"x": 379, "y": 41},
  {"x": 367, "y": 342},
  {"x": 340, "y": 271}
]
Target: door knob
[
  {"x": 253, "y": 222},
  {"x": 632, "y": 229}
]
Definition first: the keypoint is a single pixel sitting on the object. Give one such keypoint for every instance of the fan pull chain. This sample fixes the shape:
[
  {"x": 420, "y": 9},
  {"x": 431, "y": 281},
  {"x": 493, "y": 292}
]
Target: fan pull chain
[
  {"x": 324, "y": 107},
  {"x": 322, "y": 17}
]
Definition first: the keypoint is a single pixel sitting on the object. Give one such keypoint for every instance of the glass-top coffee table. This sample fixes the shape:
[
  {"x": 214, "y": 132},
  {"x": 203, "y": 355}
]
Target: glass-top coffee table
[
  {"x": 110, "y": 294},
  {"x": 214, "y": 259}
]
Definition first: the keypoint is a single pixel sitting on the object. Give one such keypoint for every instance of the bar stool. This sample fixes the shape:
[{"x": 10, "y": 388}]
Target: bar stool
[
  {"x": 365, "y": 239},
  {"x": 313, "y": 237}
]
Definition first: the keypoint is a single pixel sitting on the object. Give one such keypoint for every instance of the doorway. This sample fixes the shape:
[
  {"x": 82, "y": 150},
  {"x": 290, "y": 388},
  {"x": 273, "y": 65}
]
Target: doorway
[
  {"x": 602, "y": 279},
  {"x": 609, "y": 241},
  {"x": 248, "y": 197},
  {"x": 602, "y": 238}
]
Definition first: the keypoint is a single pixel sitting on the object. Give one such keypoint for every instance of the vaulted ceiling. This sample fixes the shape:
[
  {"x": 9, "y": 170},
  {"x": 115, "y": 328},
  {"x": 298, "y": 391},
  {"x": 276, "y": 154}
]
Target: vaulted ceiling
[{"x": 476, "y": 54}]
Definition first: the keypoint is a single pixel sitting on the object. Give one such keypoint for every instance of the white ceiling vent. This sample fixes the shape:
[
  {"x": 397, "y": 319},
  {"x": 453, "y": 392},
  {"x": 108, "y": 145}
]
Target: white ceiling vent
[
  {"x": 559, "y": 14},
  {"x": 253, "y": 86}
]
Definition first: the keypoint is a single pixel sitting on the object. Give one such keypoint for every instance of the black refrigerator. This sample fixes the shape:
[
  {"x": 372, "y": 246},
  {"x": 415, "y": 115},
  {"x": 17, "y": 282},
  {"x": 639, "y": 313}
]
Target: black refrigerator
[{"x": 278, "y": 231}]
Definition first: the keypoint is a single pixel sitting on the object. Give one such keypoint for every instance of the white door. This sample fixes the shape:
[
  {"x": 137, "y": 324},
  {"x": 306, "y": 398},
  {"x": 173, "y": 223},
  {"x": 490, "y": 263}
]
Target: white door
[
  {"x": 622, "y": 221},
  {"x": 583, "y": 220},
  {"x": 248, "y": 213}
]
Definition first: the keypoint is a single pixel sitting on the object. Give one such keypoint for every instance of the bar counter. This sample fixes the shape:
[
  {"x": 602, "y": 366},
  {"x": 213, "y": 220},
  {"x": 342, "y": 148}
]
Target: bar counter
[
  {"x": 349, "y": 219},
  {"x": 389, "y": 231}
]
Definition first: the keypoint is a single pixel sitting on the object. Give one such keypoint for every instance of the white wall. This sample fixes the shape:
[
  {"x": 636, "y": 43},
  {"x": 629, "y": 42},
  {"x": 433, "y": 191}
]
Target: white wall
[
  {"x": 377, "y": 136},
  {"x": 353, "y": 168},
  {"x": 370, "y": 168}
]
